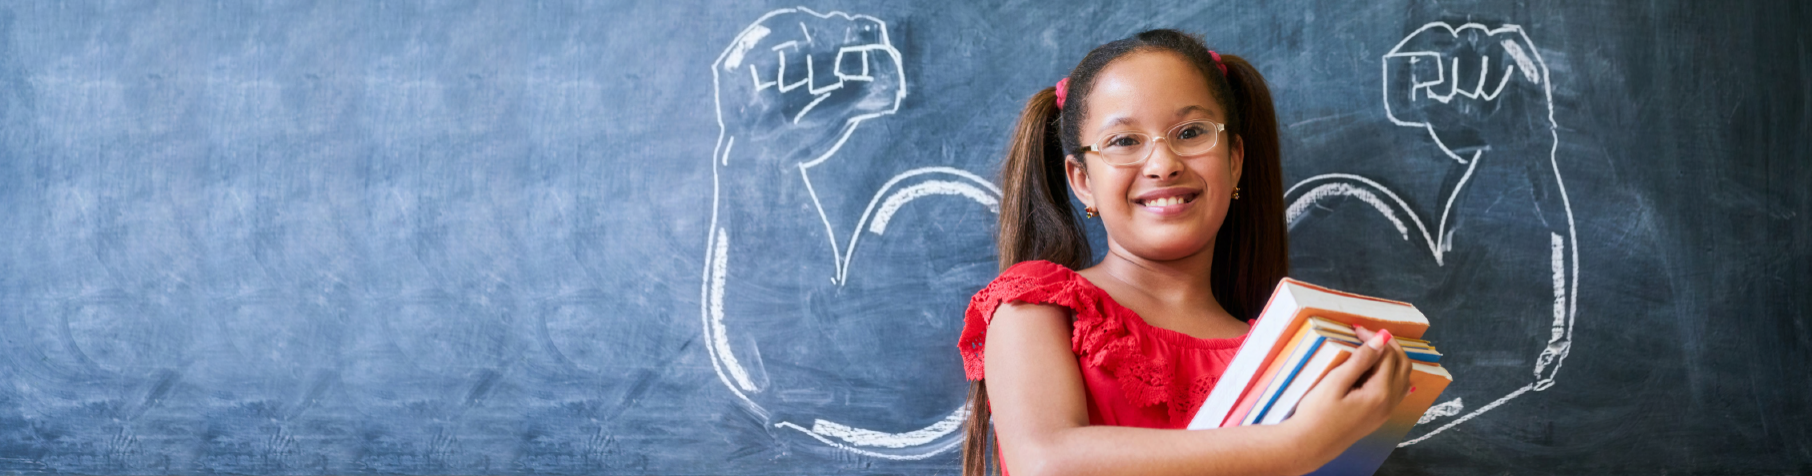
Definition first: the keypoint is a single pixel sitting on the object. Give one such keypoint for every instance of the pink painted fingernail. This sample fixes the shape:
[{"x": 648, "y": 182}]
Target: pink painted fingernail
[
  {"x": 1379, "y": 339},
  {"x": 1412, "y": 390}
]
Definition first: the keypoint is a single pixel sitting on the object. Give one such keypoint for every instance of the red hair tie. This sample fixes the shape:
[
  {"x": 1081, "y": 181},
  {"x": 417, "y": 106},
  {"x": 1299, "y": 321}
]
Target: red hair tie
[
  {"x": 1063, "y": 91},
  {"x": 1217, "y": 64}
]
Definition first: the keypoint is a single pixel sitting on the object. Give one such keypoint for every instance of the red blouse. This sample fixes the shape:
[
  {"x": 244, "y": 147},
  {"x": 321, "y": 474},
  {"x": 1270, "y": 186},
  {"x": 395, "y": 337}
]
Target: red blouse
[{"x": 1136, "y": 374}]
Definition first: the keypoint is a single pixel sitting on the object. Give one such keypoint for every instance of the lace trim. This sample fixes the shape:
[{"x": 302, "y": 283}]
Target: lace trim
[{"x": 1101, "y": 336}]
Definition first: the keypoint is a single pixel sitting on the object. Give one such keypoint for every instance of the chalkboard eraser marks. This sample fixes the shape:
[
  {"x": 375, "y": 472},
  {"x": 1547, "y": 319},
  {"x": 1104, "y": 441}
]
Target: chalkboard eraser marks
[{"x": 1291, "y": 305}]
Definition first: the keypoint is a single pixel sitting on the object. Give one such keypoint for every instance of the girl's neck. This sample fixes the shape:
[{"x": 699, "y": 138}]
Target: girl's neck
[{"x": 1181, "y": 284}]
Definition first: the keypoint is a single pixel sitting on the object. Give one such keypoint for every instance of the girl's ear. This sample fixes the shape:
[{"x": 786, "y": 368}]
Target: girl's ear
[
  {"x": 1078, "y": 174},
  {"x": 1236, "y": 158}
]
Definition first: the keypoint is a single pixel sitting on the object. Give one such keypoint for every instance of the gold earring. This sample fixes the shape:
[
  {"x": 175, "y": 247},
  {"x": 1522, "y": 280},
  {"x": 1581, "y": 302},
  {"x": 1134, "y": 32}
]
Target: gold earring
[
  {"x": 1088, "y": 212},
  {"x": 1236, "y": 193}
]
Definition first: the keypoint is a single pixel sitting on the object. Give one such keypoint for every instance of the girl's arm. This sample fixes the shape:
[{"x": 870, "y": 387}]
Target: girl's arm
[{"x": 1041, "y": 416}]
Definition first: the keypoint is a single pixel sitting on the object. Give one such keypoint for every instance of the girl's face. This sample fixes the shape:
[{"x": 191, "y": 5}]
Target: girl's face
[{"x": 1168, "y": 207}]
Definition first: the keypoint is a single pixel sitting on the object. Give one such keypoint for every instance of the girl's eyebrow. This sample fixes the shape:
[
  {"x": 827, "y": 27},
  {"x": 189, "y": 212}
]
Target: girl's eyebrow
[
  {"x": 1185, "y": 110},
  {"x": 1181, "y": 113},
  {"x": 1115, "y": 121}
]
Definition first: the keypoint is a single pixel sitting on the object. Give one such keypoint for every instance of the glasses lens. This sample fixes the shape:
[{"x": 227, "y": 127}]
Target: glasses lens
[
  {"x": 1192, "y": 138},
  {"x": 1124, "y": 148}
]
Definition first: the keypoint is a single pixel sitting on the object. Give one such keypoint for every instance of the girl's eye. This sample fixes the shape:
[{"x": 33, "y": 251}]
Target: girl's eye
[
  {"x": 1191, "y": 131},
  {"x": 1127, "y": 141}
]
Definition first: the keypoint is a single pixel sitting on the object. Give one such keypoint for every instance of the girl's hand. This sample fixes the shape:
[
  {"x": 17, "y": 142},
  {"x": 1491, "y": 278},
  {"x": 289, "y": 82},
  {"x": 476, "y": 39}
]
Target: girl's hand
[{"x": 1354, "y": 399}]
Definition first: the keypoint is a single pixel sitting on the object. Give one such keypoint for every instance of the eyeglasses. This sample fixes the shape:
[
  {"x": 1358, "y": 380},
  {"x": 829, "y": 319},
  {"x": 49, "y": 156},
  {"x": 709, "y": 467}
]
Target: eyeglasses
[{"x": 1188, "y": 139}]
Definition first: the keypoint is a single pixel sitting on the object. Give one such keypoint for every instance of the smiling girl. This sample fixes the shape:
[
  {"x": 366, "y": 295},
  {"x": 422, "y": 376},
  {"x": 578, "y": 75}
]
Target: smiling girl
[{"x": 1096, "y": 369}]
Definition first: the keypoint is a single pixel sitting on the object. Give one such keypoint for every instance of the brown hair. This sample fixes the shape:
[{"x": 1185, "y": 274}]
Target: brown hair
[{"x": 1251, "y": 250}]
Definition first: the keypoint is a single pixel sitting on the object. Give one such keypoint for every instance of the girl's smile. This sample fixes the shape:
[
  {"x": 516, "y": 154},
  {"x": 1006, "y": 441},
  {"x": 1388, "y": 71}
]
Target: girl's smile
[{"x": 1167, "y": 202}]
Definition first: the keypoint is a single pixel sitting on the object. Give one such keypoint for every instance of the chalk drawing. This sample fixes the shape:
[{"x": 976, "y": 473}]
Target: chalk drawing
[
  {"x": 1431, "y": 57},
  {"x": 863, "y": 59}
]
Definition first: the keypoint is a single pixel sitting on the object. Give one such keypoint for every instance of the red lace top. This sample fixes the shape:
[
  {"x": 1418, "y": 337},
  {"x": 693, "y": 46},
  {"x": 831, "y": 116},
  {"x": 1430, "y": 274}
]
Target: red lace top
[{"x": 1136, "y": 374}]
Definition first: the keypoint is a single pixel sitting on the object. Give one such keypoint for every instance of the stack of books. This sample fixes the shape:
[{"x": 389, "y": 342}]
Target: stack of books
[{"x": 1304, "y": 332}]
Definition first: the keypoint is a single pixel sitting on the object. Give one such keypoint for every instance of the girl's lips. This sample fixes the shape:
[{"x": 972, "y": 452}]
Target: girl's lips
[{"x": 1166, "y": 206}]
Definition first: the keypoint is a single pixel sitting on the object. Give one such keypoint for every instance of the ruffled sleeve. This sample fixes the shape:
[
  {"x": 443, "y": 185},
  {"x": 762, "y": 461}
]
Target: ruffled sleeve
[{"x": 1101, "y": 336}]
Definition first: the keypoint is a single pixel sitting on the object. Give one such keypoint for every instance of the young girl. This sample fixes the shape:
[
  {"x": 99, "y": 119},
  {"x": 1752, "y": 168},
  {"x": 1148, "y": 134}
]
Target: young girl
[{"x": 1174, "y": 148}]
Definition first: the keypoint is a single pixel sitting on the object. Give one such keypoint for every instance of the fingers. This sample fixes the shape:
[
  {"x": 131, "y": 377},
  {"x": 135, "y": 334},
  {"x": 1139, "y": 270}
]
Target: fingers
[
  {"x": 1391, "y": 382},
  {"x": 1347, "y": 375},
  {"x": 1365, "y": 335},
  {"x": 1389, "y": 362}
]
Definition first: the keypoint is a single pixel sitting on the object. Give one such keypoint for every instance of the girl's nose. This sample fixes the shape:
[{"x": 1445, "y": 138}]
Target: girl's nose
[{"x": 1162, "y": 164}]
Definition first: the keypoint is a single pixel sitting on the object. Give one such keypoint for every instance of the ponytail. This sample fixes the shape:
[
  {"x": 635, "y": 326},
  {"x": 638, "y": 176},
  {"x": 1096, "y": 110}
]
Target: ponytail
[
  {"x": 1251, "y": 249},
  {"x": 1036, "y": 223},
  {"x": 1036, "y": 220}
]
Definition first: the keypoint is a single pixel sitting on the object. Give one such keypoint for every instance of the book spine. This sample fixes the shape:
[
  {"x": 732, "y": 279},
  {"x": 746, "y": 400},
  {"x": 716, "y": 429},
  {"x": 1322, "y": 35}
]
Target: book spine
[{"x": 1293, "y": 367}]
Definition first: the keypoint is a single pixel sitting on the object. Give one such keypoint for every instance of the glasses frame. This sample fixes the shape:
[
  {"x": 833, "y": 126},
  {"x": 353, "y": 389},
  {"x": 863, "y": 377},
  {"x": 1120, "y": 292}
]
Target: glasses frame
[{"x": 1096, "y": 147}]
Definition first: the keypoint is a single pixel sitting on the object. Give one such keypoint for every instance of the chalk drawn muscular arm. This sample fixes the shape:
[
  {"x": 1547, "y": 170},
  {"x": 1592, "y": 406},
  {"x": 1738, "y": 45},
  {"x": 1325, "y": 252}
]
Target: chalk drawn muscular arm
[
  {"x": 790, "y": 90},
  {"x": 1485, "y": 94},
  {"x": 1482, "y": 95}
]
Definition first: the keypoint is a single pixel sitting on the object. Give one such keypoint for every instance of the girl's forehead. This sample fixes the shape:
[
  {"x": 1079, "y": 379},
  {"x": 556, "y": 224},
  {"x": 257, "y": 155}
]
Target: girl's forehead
[{"x": 1146, "y": 87}]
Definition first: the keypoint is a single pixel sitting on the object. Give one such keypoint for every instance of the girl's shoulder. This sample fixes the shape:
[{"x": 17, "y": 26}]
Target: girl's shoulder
[
  {"x": 1105, "y": 336},
  {"x": 1038, "y": 282}
]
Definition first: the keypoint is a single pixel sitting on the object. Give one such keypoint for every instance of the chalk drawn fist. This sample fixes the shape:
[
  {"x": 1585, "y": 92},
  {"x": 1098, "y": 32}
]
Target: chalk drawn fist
[
  {"x": 1455, "y": 82},
  {"x": 794, "y": 84}
]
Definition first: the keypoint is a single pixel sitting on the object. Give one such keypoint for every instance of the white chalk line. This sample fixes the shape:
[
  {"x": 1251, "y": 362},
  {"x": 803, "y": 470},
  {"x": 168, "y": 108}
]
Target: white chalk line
[
  {"x": 937, "y": 187},
  {"x": 926, "y": 453},
  {"x": 720, "y": 338},
  {"x": 745, "y": 41},
  {"x": 1557, "y": 249},
  {"x": 880, "y": 439},
  {"x": 992, "y": 203},
  {"x": 1450, "y": 408},
  {"x": 1316, "y": 195},
  {"x": 1297, "y": 209},
  {"x": 731, "y": 144},
  {"x": 1475, "y": 413},
  {"x": 1523, "y": 62}
]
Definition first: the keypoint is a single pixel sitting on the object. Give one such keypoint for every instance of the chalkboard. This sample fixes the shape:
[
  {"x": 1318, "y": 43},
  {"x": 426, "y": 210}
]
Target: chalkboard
[{"x": 729, "y": 238}]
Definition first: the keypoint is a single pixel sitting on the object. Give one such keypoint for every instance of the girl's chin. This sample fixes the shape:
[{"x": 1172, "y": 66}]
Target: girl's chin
[{"x": 1162, "y": 248}]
